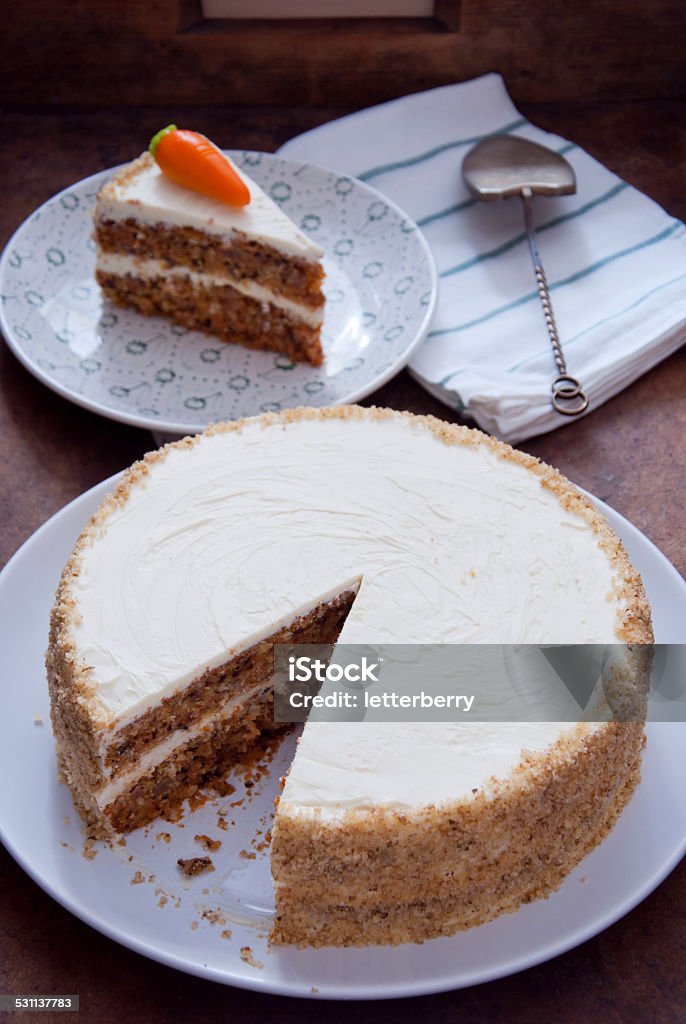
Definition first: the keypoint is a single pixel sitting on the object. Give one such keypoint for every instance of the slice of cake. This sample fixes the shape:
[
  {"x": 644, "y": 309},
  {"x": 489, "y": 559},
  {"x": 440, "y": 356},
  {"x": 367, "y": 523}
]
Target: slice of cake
[
  {"x": 244, "y": 274},
  {"x": 368, "y": 526}
]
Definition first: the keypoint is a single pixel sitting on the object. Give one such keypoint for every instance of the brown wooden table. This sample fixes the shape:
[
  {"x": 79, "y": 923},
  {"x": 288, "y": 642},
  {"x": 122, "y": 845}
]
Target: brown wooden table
[{"x": 631, "y": 453}]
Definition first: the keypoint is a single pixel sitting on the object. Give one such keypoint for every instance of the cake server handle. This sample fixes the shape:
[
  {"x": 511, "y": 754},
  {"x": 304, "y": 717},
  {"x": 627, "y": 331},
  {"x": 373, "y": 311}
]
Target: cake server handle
[{"x": 569, "y": 398}]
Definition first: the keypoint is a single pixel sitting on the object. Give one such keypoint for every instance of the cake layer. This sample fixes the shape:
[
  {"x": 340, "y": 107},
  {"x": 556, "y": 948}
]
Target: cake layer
[
  {"x": 221, "y": 311},
  {"x": 207, "y": 757},
  {"x": 169, "y": 749},
  {"x": 142, "y": 192},
  {"x": 108, "y": 263},
  {"x": 236, "y": 260},
  {"x": 158, "y": 789}
]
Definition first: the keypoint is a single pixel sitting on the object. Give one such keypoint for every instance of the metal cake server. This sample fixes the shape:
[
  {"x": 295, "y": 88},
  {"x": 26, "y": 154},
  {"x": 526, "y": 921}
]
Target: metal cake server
[{"x": 502, "y": 166}]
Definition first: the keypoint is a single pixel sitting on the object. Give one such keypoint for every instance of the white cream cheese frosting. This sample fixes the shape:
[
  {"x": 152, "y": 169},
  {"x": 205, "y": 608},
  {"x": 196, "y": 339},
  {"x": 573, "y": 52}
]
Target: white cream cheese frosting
[
  {"x": 223, "y": 541},
  {"x": 339, "y": 767},
  {"x": 146, "y": 194},
  {"x": 400, "y": 764}
]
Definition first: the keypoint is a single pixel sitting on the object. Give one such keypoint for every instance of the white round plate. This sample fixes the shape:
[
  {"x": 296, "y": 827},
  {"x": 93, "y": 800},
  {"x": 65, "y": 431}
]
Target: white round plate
[
  {"x": 136, "y": 895},
  {"x": 381, "y": 287}
]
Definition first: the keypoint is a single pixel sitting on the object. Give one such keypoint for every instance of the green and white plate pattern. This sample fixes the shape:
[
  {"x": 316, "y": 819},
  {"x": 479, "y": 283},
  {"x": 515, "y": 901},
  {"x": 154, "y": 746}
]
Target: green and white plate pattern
[{"x": 380, "y": 294}]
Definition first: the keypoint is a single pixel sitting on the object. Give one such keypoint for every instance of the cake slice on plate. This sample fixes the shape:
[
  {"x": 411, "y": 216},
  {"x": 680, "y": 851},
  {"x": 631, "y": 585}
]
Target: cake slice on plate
[{"x": 242, "y": 273}]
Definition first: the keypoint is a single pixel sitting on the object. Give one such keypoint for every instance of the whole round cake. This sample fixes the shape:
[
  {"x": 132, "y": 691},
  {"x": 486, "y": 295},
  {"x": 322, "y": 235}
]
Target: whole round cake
[{"x": 362, "y": 526}]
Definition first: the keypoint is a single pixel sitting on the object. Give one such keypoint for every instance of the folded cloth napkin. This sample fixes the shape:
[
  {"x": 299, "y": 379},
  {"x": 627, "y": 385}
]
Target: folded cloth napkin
[{"x": 615, "y": 261}]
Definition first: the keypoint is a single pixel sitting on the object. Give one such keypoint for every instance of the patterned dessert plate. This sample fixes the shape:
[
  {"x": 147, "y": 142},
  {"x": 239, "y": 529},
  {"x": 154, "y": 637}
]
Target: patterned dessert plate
[{"x": 381, "y": 288}]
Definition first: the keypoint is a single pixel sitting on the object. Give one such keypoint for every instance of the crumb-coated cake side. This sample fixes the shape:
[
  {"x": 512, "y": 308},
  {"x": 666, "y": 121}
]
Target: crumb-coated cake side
[
  {"x": 391, "y": 875},
  {"x": 366, "y": 526}
]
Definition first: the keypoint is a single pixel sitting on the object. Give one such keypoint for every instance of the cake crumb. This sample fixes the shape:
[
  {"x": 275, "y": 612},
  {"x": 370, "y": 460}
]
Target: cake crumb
[
  {"x": 195, "y": 865},
  {"x": 264, "y": 843},
  {"x": 137, "y": 878},
  {"x": 37, "y": 719},
  {"x": 208, "y": 843},
  {"x": 66, "y": 821},
  {"x": 164, "y": 836},
  {"x": 314, "y": 989},
  {"x": 246, "y": 855},
  {"x": 213, "y": 916},
  {"x": 226, "y": 934},
  {"x": 248, "y": 958},
  {"x": 89, "y": 851},
  {"x": 194, "y": 926},
  {"x": 166, "y": 897},
  {"x": 222, "y": 823}
]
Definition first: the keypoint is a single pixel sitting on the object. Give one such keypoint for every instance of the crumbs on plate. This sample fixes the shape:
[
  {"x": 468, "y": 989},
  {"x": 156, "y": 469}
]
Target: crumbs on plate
[
  {"x": 248, "y": 958},
  {"x": 208, "y": 843},
  {"x": 195, "y": 865}
]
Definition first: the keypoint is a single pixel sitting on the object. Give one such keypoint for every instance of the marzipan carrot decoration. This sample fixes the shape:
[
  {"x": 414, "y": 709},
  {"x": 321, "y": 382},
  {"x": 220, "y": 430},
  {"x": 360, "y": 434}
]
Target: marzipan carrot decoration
[{"x": 191, "y": 160}]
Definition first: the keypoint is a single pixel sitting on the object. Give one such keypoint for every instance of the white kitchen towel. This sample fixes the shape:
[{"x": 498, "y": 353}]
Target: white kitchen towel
[{"x": 615, "y": 260}]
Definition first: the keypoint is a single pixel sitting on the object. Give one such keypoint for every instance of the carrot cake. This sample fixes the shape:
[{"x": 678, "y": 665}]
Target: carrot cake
[
  {"x": 366, "y": 526},
  {"x": 243, "y": 274}
]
